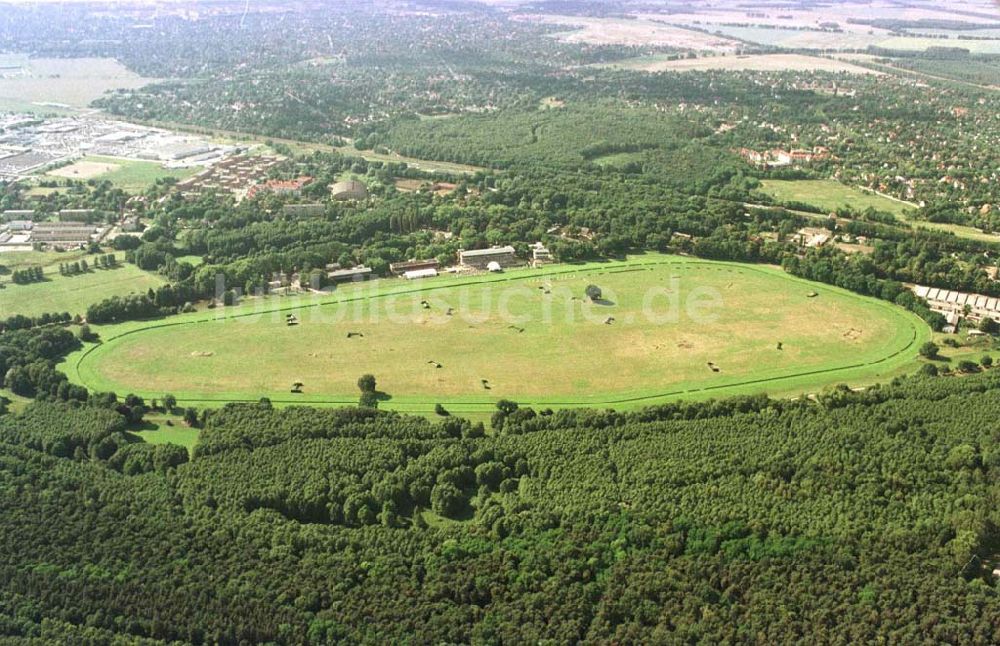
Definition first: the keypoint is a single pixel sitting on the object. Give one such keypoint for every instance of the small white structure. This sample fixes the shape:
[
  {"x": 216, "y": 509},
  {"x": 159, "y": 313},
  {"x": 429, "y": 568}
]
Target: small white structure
[
  {"x": 416, "y": 274},
  {"x": 494, "y": 266}
]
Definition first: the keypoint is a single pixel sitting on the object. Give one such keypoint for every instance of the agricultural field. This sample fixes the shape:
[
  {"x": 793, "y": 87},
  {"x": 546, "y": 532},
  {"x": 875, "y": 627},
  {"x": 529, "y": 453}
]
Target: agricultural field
[
  {"x": 73, "y": 294},
  {"x": 528, "y": 335},
  {"x": 760, "y": 62},
  {"x": 130, "y": 175},
  {"x": 59, "y": 84},
  {"x": 914, "y": 43},
  {"x": 795, "y": 38},
  {"x": 830, "y": 195}
]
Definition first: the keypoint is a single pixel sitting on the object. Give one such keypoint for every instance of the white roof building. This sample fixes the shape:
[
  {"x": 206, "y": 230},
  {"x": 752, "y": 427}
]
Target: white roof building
[{"x": 416, "y": 274}]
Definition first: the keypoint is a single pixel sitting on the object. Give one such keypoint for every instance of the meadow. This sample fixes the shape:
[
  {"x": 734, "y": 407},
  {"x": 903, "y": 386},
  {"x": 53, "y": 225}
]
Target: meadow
[
  {"x": 130, "y": 175},
  {"x": 73, "y": 294},
  {"x": 528, "y": 335},
  {"x": 830, "y": 194}
]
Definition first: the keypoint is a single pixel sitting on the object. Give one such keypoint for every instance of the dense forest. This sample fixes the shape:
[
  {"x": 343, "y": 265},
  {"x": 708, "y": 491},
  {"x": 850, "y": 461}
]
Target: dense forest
[{"x": 703, "y": 522}]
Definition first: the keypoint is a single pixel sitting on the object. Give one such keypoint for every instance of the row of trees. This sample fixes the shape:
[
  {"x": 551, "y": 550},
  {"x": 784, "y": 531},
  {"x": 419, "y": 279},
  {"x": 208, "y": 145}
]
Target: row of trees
[{"x": 102, "y": 261}]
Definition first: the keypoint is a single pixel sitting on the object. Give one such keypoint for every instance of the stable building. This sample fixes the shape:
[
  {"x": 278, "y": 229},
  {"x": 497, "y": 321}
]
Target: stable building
[
  {"x": 64, "y": 233},
  {"x": 481, "y": 258},
  {"x": 18, "y": 226},
  {"x": 78, "y": 215},
  {"x": 355, "y": 274},
  {"x": 401, "y": 268},
  {"x": 18, "y": 214},
  {"x": 540, "y": 254}
]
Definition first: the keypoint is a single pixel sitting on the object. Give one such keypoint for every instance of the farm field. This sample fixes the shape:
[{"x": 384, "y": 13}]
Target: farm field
[
  {"x": 529, "y": 334},
  {"x": 74, "y": 294},
  {"x": 760, "y": 62},
  {"x": 830, "y": 194},
  {"x": 129, "y": 175},
  {"x": 913, "y": 43},
  {"x": 797, "y": 39}
]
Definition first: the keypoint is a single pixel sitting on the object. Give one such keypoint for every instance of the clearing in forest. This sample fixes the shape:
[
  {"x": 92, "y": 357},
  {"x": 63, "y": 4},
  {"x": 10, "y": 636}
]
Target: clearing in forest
[{"x": 831, "y": 195}]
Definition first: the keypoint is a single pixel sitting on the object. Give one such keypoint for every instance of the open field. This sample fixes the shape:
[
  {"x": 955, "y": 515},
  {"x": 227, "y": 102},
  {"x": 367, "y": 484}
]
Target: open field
[
  {"x": 83, "y": 169},
  {"x": 155, "y": 430},
  {"x": 912, "y": 43},
  {"x": 528, "y": 333},
  {"x": 761, "y": 62},
  {"x": 20, "y": 259},
  {"x": 616, "y": 160},
  {"x": 73, "y": 294},
  {"x": 619, "y": 31},
  {"x": 127, "y": 174},
  {"x": 45, "y": 84},
  {"x": 830, "y": 194}
]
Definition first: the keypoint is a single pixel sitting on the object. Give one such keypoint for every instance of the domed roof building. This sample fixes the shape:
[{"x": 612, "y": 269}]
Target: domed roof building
[{"x": 350, "y": 189}]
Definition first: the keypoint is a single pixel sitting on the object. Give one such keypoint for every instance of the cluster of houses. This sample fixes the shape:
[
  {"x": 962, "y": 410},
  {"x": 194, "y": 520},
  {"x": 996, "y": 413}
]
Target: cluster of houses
[
  {"x": 779, "y": 157},
  {"x": 957, "y": 305},
  {"x": 279, "y": 186},
  {"x": 236, "y": 174}
]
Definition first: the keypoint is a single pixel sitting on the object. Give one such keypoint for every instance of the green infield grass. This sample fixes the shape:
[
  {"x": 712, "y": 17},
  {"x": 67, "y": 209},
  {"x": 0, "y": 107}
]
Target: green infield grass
[{"x": 528, "y": 335}]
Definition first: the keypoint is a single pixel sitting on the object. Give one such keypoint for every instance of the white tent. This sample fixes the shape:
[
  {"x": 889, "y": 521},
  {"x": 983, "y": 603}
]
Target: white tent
[{"x": 494, "y": 266}]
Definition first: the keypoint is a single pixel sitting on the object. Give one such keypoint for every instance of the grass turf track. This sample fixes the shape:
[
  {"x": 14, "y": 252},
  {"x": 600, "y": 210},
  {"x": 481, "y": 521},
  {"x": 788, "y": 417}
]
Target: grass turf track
[{"x": 246, "y": 352}]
